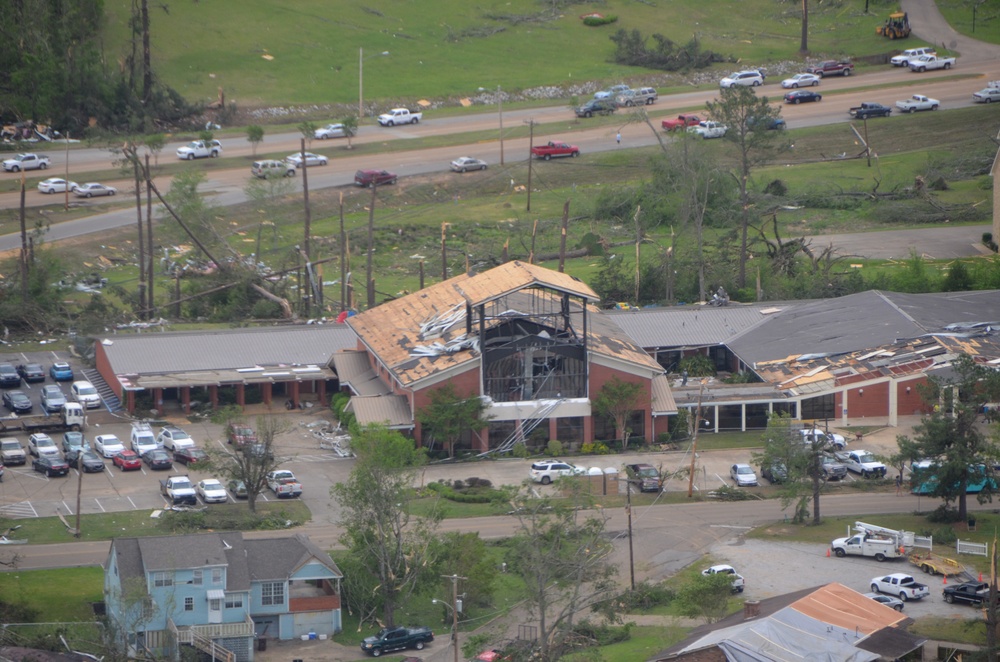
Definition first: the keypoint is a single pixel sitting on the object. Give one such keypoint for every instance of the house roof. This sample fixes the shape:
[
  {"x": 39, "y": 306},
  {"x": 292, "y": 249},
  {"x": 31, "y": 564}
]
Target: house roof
[
  {"x": 424, "y": 333},
  {"x": 229, "y": 349},
  {"x": 831, "y": 622},
  {"x": 355, "y": 372},
  {"x": 127, "y": 557},
  {"x": 202, "y": 550},
  {"x": 278, "y": 558}
]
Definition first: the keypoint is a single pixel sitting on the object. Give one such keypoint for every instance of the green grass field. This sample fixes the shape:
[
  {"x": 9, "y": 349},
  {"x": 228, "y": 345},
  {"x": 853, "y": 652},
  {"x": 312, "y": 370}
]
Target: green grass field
[{"x": 450, "y": 48}]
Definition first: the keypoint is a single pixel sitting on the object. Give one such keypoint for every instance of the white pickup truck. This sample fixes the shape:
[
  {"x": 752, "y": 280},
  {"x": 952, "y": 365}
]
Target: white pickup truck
[
  {"x": 284, "y": 484},
  {"x": 902, "y": 585},
  {"x": 861, "y": 462},
  {"x": 26, "y": 162},
  {"x": 199, "y": 149},
  {"x": 708, "y": 129},
  {"x": 738, "y": 582},
  {"x": 917, "y": 102},
  {"x": 903, "y": 59},
  {"x": 865, "y": 545},
  {"x": 929, "y": 62},
  {"x": 400, "y": 116}
]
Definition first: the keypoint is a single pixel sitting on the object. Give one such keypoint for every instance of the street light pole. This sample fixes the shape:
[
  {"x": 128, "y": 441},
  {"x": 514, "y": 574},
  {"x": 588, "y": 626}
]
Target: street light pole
[
  {"x": 454, "y": 609},
  {"x": 500, "y": 110}
]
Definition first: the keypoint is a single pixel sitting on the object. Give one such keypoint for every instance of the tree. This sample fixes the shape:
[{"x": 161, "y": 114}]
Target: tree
[
  {"x": 740, "y": 109},
  {"x": 561, "y": 550},
  {"x": 801, "y": 460},
  {"x": 617, "y": 400},
  {"x": 380, "y": 534},
  {"x": 350, "y": 128},
  {"x": 255, "y": 134},
  {"x": 155, "y": 142},
  {"x": 950, "y": 437},
  {"x": 449, "y": 415},
  {"x": 251, "y": 463},
  {"x": 804, "y": 43},
  {"x": 465, "y": 555},
  {"x": 706, "y": 596},
  {"x": 308, "y": 131}
]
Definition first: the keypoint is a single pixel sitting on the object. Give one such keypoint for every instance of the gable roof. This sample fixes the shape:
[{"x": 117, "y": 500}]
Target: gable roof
[
  {"x": 516, "y": 275},
  {"x": 278, "y": 558}
]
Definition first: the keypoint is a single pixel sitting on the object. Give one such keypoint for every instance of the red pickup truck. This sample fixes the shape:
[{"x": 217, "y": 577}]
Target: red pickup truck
[
  {"x": 555, "y": 149},
  {"x": 832, "y": 68},
  {"x": 680, "y": 122}
]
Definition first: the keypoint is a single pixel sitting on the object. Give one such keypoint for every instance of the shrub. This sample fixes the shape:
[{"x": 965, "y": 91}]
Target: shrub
[
  {"x": 595, "y": 448},
  {"x": 730, "y": 493},
  {"x": 945, "y": 535},
  {"x": 519, "y": 450},
  {"x": 595, "y": 21},
  {"x": 697, "y": 365},
  {"x": 776, "y": 187},
  {"x": 602, "y": 635},
  {"x": 553, "y": 448},
  {"x": 943, "y": 515}
]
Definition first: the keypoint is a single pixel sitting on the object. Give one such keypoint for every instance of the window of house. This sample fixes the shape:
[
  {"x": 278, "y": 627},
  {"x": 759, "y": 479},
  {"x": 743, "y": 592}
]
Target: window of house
[
  {"x": 188, "y": 604},
  {"x": 234, "y": 601},
  {"x": 272, "y": 593},
  {"x": 163, "y": 579},
  {"x": 216, "y": 575},
  {"x": 196, "y": 577}
]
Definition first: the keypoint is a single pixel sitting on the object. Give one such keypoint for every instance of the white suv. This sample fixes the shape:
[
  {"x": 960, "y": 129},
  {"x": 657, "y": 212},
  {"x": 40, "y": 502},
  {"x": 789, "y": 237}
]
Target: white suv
[
  {"x": 546, "y": 471},
  {"x": 751, "y": 78},
  {"x": 903, "y": 59},
  {"x": 174, "y": 439}
]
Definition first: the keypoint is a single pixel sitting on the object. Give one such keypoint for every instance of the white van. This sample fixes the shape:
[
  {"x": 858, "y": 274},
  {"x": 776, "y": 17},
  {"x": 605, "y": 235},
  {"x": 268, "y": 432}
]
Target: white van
[
  {"x": 143, "y": 439},
  {"x": 86, "y": 394}
]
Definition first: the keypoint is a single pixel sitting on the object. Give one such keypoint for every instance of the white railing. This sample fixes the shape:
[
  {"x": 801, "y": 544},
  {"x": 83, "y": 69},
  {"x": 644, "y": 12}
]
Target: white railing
[{"x": 977, "y": 548}]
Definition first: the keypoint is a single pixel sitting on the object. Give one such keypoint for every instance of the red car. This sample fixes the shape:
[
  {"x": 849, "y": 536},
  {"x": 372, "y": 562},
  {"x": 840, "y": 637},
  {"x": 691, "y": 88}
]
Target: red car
[
  {"x": 127, "y": 460},
  {"x": 368, "y": 178},
  {"x": 680, "y": 122},
  {"x": 190, "y": 455},
  {"x": 240, "y": 434}
]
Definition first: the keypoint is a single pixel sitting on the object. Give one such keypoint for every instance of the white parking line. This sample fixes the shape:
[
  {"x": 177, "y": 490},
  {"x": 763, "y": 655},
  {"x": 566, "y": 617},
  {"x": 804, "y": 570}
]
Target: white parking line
[
  {"x": 69, "y": 510},
  {"x": 19, "y": 510},
  {"x": 98, "y": 502},
  {"x": 134, "y": 507}
]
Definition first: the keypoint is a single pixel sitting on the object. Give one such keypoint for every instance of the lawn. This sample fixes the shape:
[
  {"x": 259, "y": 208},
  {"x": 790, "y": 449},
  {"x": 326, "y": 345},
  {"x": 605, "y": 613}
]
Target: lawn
[
  {"x": 59, "y": 594},
  {"x": 308, "y": 52}
]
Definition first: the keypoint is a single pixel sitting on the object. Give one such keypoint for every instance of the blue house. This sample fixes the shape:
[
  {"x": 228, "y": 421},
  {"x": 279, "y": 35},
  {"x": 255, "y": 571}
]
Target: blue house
[{"x": 218, "y": 592}]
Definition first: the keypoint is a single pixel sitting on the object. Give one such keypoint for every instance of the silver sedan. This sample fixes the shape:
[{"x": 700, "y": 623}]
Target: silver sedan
[
  {"x": 92, "y": 189},
  {"x": 466, "y": 163}
]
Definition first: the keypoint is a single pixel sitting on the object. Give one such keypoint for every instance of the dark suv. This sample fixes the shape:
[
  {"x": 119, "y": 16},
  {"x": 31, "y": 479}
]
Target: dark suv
[
  {"x": 596, "y": 107},
  {"x": 645, "y": 476},
  {"x": 8, "y": 376}
]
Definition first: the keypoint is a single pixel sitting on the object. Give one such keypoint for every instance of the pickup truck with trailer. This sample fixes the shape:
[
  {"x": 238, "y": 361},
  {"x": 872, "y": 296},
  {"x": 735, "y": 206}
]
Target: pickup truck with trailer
[
  {"x": 395, "y": 639},
  {"x": 179, "y": 490},
  {"x": 284, "y": 484},
  {"x": 12, "y": 452},
  {"x": 973, "y": 593},
  {"x": 553, "y": 150},
  {"x": 69, "y": 417},
  {"x": 931, "y": 62},
  {"x": 832, "y": 68},
  {"x": 26, "y": 162},
  {"x": 680, "y": 122},
  {"x": 904, "y": 586},
  {"x": 400, "y": 116},
  {"x": 917, "y": 102},
  {"x": 903, "y": 59},
  {"x": 200, "y": 149},
  {"x": 861, "y": 462},
  {"x": 596, "y": 107},
  {"x": 869, "y": 109}
]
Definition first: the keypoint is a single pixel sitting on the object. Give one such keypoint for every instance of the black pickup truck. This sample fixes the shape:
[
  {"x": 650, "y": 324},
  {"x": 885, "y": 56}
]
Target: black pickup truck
[
  {"x": 974, "y": 593},
  {"x": 869, "y": 109},
  {"x": 394, "y": 639}
]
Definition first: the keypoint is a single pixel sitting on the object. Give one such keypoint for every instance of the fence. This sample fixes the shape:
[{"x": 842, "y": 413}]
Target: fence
[
  {"x": 977, "y": 548},
  {"x": 924, "y": 542}
]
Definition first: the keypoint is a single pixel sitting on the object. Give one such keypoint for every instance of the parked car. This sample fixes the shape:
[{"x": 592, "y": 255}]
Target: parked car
[
  {"x": 330, "y": 131},
  {"x": 31, "y": 372},
  {"x": 237, "y": 489},
  {"x": 61, "y": 372},
  {"x": 173, "y": 438},
  {"x": 42, "y": 444},
  {"x": 466, "y": 163},
  {"x": 211, "y": 490},
  {"x": 271, "y": 168},
  {"x": 986, "y": 95},
  {"x": 743, "y": 475},
  {"x": 85, "y": 393},
  {"x": 74, "y": 441},
  {"x": 240, "y": 434},
  {"x": 17, "y": 402},
  {"x": 366, "y": 178},
  {"x": 52, "y": 398},
  {"x": 9, "y": 376},
  {"x": 157, "y": 459},
  {"x": 93, "y": 189},
  {"x": 774, "y": 472},
  {"x": 802, "y": 96},
  {"x": 612, "y": 92},
  {"x": 545, "y": 471},
  {"x": 887, "y": 600},
  {"x": 708, "y": 129},
  {"x": 801, "y": 80},
  {"x": 88, "y": 459},
  {"x": 645, "y": 475},
  {"x": 127, "y": 460},
  {"x": 766, "y": 123},
  {"x": 108, "y": 445},
  {"x": 311, "y": 159},
  {"x": 749, "y": 78},
  {"x": 50, "y": 465},
  {"x": 638, "y": 97},
  {"x": 190, "y": 455},
  {"x": 56, "y": 185}
]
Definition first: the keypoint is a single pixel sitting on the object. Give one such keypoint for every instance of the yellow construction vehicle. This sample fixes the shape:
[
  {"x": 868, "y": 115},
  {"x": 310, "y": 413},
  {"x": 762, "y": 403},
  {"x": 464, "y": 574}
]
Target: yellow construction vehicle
[{"x": 897, "y": 26}]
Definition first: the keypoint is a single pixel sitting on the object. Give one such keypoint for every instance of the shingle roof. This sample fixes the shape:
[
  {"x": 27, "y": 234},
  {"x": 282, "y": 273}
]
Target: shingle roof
[
  {"x": 278, "y": 558},
  {"x": 154, "y": 353},
  {"x": 128, "y": 559}
]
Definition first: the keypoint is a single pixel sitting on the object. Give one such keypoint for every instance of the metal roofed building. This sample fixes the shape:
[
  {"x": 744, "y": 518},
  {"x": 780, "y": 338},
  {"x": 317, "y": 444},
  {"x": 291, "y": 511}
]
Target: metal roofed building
[
  {"x": 529, "y": 340},
  {"x": 258, "y": 364}
]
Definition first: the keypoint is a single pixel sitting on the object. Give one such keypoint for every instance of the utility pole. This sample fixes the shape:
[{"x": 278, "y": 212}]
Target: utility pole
[
  {"x": 149, "y": 239},
  {"x": 79, "y": 489},
  {"x": 369, "y": 283},
  {"x": 628, "y": 511},
  {"x": 307, "y": 223},
  {"x": 454, "y": 611},
  {"x": 66, "y": 177},
  {"x": 531, "y": 144},
  {"x": 500, "y": 107},
  {"x": 343, "y": 263},
  {"x": 142, "y": 239}
]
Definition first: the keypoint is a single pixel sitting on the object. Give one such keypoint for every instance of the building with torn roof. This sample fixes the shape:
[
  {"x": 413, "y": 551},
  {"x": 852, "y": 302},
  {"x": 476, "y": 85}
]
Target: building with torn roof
[
  {"x": 219, "y": 592},
  {"x": 528, "y": 340},
  {"x": 832, "y": 623}
]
